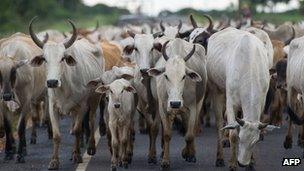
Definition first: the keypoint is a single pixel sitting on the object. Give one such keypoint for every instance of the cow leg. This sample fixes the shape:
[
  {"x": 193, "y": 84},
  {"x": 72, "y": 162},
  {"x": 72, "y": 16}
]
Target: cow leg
[
  {"x": 102, "y": 124},
  {"x": 54, "y": 163},
  {"x": 153, "y": 132},
  {"x": 288, "y": 138},
  {"x": 131, "y": 139},
  {"x": 124, "y": 145},
  {"x": 21, "y": 152},
  {"x": 35, "y": 120},
  {"x": 301, "y": 136},
  {"x": 10, "y": 148},
  {"x": 142, "y": 124},
  {"x": 167, "y": 134},
  {"x": 94, "y": 101},
  {"x": 115, "y": 146},
  {"x": 233, "y": 134},
  {"x": 47, "y": 120}
]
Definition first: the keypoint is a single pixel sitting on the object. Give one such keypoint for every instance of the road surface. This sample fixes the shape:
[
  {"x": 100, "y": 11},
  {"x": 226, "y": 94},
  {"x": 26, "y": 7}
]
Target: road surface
[{"x": 268, "y": 153}]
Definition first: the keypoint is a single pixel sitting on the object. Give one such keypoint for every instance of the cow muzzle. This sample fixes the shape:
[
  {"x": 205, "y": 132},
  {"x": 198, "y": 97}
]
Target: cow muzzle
[
  {"x": 52, "y": 83},
  {"x": 242, "y": 165},
  {"x": 8, "y": 96},
  {"x": 117, "y": 105},
  {"x": 175, "y": 104}
]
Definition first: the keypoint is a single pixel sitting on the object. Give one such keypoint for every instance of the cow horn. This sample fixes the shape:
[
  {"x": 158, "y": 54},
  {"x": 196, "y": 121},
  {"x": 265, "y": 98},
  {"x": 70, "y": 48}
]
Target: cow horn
[
  {"x": 292, "y": 37},
  {"x": 180, "y": 24},
  {"x": 166, "y": 57},
  {"x": 210, "y": 27},
  {"x": 33, "y": 35},
  {"x": 240, "y": 121},
  {"x": 161, "y": 24},
  {"x": 46, "y": 38},
  {"x": 190, "y": 54},
  {"x": 131, "y": 33},
  {"x": 193, "y": 22},
  {"x": 73, "y": 38},
  {"x": 158, "y": 34},
  {"x": 262, "y": 125}
]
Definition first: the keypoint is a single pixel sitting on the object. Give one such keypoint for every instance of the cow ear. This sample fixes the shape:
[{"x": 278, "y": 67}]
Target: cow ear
[
  {"x": 69, "y": 60},
  {"x": 128, "y": 49},
  {"x": 37, "y": 61},
  {"x": 127, "y": 76},
  {"x": 130, "y": 89},
  {"x": 94, "y": 83},
  {"x": 102, "y": 89},
  {"x": 157, "y": 46},
  {"x": 155, "y": 72},
  {"x": 193, "y": 75}
]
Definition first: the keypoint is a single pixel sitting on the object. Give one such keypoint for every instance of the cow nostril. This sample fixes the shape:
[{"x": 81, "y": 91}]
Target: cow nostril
[
  {"x": 175, "y": 104},
  {"x": 7, "y": 96},
  {"x": 52, "y": 83},
  {"x": 117, "y": 105}
]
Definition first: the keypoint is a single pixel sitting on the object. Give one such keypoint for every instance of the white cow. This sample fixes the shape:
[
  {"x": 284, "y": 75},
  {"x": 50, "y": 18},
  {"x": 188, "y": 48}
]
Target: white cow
[
  {"x": 180, "y": 81},
  {"x": 121, "y": 108},
  {"x": 69, "y": 67},
  {"x": 238, "y": 70}
]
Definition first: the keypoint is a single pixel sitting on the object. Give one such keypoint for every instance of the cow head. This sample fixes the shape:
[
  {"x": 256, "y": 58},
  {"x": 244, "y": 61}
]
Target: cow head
[
  {"x": 201, "y": 35},
  {"x": 174, "y": 75},
  {"x": 249, "y": 135},
  {"x": 143, "y": 49},
  {"x": 54, "y": 56},
  {"x": 115, "y": 92},
  {"x": 280, "y": 76},
  {"x": 8, "y": 76},
  {"x": 171, "y": 31}
]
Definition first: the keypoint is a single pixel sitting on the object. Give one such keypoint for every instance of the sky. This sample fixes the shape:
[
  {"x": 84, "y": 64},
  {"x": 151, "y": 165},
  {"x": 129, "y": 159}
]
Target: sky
[{"x": 153, "y": 7}]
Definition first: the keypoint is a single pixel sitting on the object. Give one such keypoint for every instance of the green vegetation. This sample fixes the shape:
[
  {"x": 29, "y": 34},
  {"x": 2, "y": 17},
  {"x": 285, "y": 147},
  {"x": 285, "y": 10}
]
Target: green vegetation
[{"x": 16, "y": 14}]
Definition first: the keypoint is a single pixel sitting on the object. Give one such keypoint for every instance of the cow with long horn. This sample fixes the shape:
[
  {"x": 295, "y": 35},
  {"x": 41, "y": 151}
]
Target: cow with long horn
[
  {"x": 172, "y": 31},
  {"x": 238, "y": 66},
  {"x": 178, "y": 75},
  {"x": 201, "y": 35},
  {"x": 69, "y": 67}
]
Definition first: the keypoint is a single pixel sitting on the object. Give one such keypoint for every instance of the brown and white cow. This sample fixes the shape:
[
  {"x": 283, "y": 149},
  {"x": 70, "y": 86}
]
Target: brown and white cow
[{"x": 69, "y": 67}]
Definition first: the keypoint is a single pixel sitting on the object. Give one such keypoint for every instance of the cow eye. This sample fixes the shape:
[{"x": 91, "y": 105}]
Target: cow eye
[
  {"x": 166, "y": 77},
  {"x": 122, "y": 90},
  {"x": 135, "y": 49},
  {"x": 111, "y": 91},
  {"x": 184, "y": 77}
]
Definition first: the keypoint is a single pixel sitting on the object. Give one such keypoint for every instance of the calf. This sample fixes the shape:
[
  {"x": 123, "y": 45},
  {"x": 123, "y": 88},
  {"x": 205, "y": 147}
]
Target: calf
[
  {"x": 69, "y": 67},
  {"x": 121, "y": 108}
]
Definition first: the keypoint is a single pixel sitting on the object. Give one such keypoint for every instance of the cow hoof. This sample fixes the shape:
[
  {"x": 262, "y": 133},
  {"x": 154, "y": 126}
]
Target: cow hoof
[
  {"x": 165, "y": 164},
  {"x": 232, "y": 168},
  {"x": 33, "y": 140},
  {"x": 125, "y": 165},
  {"x": 20, "y": 159},
  {"x": 9, "y": 156},
  {"x": 53, "y": 165},
  {"x": 288, "y": 143},
  {"x": 226, "y": 143},
  {"x": 91, "y": 151},
  {"x": 250, "y": 167},
  {"x": 219, "y": 163},
  {"x": 113, "y": 168},
  {"x": 143, "y": 131},
  {"x": 301, "y": 143},
  {"x": 152, "y": 160},
  {"x": 191, "y": 159},
  {"x": 76, "y": 158}
]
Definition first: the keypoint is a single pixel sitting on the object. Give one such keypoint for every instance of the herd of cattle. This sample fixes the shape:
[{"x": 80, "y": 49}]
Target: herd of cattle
[{"x": 247, "y": 76}]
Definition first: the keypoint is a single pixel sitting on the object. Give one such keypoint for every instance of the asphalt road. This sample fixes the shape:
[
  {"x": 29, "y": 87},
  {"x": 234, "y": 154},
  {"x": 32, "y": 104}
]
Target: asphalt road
[{"x": 268, "y": 153}]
